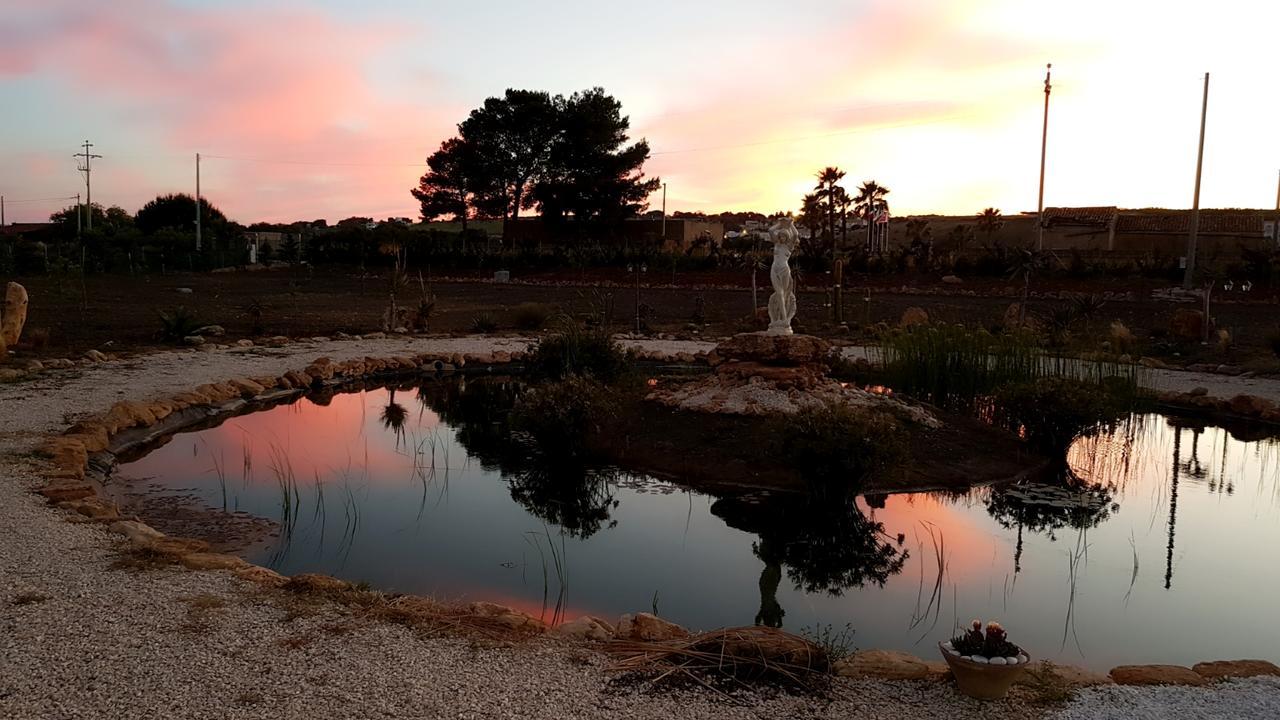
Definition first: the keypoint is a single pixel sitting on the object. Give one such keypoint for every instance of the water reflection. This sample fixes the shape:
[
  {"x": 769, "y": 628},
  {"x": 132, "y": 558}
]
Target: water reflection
[{"x": 1117, "y": 556}]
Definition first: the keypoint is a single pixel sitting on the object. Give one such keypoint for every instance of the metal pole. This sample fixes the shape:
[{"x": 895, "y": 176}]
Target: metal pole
[
  {"x": 1189, "y": 275},
  {"x": 79, "y": 214},
  {"x": 1, "y": 211},
  {"x": 197, "y": 202},
  {"x": 1044, "y": 144},
  {"x": 1277, "y": 194},
  {"x": 664, "y": 213}
]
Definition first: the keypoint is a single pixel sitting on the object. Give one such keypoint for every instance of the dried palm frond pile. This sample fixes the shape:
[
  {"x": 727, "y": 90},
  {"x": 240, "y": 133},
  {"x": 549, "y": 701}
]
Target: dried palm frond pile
[{"x": 744, "y": 657}]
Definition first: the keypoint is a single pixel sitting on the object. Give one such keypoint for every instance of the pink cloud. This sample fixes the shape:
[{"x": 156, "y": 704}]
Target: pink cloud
[{"x": 253, "y": 84}]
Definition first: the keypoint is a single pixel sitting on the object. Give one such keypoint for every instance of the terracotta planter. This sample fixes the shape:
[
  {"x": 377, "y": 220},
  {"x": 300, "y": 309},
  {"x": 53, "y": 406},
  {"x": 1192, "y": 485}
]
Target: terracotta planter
[{"x": 983, "y": 680}]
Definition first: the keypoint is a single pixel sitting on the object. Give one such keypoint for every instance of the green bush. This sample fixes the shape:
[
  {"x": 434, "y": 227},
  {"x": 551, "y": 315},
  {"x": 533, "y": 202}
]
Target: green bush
[
  {"x": 837, "y": 447},
  {"x": 573, "y": 351},
  {"x": 484, "y": 323},
  {"x": 1052, "y": 412},
  {"x": 178, "y": 323},
  {"x": 531, "y": 315},
  {"x": 562, "y": 417}
]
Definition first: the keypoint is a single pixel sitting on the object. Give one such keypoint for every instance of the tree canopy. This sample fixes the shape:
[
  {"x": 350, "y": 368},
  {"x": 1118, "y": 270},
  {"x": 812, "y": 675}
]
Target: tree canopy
[
  {"x": 177, "y": 212},
  {"x": 569, "y": 157}
]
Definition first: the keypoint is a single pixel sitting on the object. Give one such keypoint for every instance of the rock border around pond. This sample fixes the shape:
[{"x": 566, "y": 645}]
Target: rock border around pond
[{"x": 80, "y": 456}]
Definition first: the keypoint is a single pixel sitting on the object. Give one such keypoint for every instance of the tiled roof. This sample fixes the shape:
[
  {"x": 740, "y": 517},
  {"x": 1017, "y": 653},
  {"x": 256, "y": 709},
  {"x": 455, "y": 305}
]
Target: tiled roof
[
  {"x": 20, "y": 228},
  {"x": 1079, "y": 216},
  {"x": 1245, "y": 222}
]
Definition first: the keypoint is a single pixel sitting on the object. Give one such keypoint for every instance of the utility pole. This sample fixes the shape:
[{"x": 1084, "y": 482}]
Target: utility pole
[
  {"x": 78, "y": 216},
  {"x": 1044, "y": 144},
  {"x": 1189, "y": 276},
  {"x": 1278, "y": 195},
  {"x": 197, "y": 202},
  {"x": 87, "y": 167},
  {"x": 1, "y": 211},
  {"x": 664, "y": 213}
]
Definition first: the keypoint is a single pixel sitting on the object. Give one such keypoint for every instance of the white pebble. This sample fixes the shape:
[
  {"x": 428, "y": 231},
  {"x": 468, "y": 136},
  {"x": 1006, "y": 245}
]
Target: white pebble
[
  {"x": 966, "y": 657},
  {"x": 946, "y": 645},
  {"x": 998, "y": 661},
  {"x": 1012, "y": 661},
  {"x": 981, "y": 659},
  {"x": 1024, "y": 659}
]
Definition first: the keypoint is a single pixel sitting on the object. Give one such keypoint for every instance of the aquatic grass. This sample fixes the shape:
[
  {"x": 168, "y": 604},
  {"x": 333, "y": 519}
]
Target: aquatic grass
[
  {"x": 219, "y": 469},
  {"x": 558, "y": 557},
  {"x": 934, "y": 607}
]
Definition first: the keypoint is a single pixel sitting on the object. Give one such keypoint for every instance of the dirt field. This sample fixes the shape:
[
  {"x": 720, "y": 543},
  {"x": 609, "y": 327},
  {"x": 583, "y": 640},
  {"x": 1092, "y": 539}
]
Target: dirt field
[{"x": 119, "y": 313}]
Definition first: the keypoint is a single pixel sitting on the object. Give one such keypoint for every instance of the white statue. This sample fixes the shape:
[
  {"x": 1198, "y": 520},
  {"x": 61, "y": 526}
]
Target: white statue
[{"x": 782, "y": 303}]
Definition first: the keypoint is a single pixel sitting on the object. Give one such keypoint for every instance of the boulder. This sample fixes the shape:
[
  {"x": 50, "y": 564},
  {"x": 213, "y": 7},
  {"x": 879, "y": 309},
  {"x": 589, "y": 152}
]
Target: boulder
[
  {"x": 785, "y": 376},
  {"x": 585, "y": 628},
  {"x": 248, "y": 388},
  {"x": 315, "y": 583},
  {"x": 261, "y": 576},
  {"x": 212, "y": 561},
  {"x": 1187, "y": 325},
  {"x": 95, "y": 356},
  {"x": 506, "y": 617},
  {"x": 14, "y": 316},
  {"x": 1250, "y": 405},
  {"x": 1156, "y": 675},
  {"x": 1198, "y": 391},
  {"x": 1222, "y": 669},
  {"x": 774, "y": 349},
  {"x": 1066, "y": 676},
  {"x": 888, "y": 665},
  {"x": 136, "y": 532},
  {"x": 914, "y": 316},
  {"x": 64, "y": 490},
  {"x": 245, "y": 343},
  {"x": 193, "y": 340},
  {"x": 648, "y": 628},
  {"x": 211, "y": 331},
  {"x": 90, "y": 507},
  {"x": 277, "y": 341},
  {"x": 951, "y": 280}
]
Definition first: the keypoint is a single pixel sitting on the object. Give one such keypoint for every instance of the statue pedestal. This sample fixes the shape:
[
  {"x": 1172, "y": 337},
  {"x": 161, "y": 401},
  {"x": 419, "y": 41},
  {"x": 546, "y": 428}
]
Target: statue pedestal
[{"x": 780, "y": 329}]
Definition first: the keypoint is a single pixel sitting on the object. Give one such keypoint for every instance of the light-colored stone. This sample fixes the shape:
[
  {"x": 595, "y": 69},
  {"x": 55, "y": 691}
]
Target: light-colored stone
[
  {"x": 506, "y": 617},
  {"x": 887, "y": 665},
  {"x": 211, "y": 331},
  {"x": 649, "y": 628},
  {"x": 15, "y": 314},
  {"x": 248, "y": 388},
  {"x": 136, "y": 532},
  {"x": 193, "y": 340},
  {"x": 585, "y": 627},
  {"x": 212, "y": 561},
  {"x": 1222, "y": 669},
  {"x": 1156, "y": 675},
  {"x": 95, "y": 356}
]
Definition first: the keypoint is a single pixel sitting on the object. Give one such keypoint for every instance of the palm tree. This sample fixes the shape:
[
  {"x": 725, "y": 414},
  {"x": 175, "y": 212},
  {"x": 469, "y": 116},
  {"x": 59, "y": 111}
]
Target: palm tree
[
  {"x": 394, "y": 416},
  {"x": 870, "y": 202},
  {"x": 989, "y": 221},
  {"x": 828, "y": 187},
  {"x": 1028, "y": 263}
]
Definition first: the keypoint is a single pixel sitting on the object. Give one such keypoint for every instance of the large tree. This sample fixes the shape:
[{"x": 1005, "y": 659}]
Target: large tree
[
  {"x": 593, "y": 174},
  {"x": 567, "y": 156},
  {"x": 870, "y": 203},
  {"x": 178, "y": 212},
  {"x": 448, "y": 189},
  {"x": 833, "y": 198}
]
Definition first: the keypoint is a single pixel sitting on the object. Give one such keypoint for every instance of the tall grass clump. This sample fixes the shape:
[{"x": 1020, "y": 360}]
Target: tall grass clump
[
  {"x": 178, "y": 323},
  {"x": 563, "y": 416},
  {"x": 570, "y": 350},
  {"x": 955, "y": 366},
  {"x": 952, "y": 365},
  {"x": 530, "y": 316},
  {"x": 836, "y": 447}
]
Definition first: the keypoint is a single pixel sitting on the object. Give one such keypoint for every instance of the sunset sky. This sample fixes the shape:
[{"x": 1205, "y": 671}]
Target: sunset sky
[{"x": 328, "y": 109}]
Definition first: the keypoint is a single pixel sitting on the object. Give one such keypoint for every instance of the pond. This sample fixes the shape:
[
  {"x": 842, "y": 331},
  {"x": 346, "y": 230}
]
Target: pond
[{"x": 1159, "y": 546}]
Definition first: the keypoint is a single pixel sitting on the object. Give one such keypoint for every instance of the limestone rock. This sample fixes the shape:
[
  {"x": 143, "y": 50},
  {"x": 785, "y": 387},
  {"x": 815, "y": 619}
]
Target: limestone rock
[
  {"x": 66, "y": 490},
  {"x": 95, "y": 356},
  {"x": 1198, "y": 391},
  {"x": 1250, "y": 405},
  {"x": 193, "y": 340},
  {"x": 885, "y": 664},
  {"x": 1067, "y": 676},
  {"x": 506, "y": 617},
  {"x": 90, "y": 507},
  {"x": 248, "y": 388},
  {"x": 315, "y": 583},
  {"x": 136, "y": 532},
  {"x": 245, "y": 343},
  {"x": 9, "y": 374},
  {"x": 648, "y": 627},
  {"x": 1221, "y": 669},
  {"x": 951, "y": 280},
  {"x": 213, "y": 561},
  {"x": 1156, "y": 675},
  {"x": 774, "y": 349},
  {"x": 261, "y": 576},
  {"x": 585, "y": 628},
  {"x": 914, "y": 316},
  {"x": 15, "y": 314},
  {"x": 211, "y": 331}
]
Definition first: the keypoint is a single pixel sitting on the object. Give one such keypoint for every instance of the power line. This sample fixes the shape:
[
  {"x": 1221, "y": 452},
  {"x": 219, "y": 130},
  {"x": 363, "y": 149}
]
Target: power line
[
  {"x": 87, "y": 167},
  {"x": 49, "y": 199},
  {"x": 322, "y": 163},
  {"x": 806, "y": 138}
]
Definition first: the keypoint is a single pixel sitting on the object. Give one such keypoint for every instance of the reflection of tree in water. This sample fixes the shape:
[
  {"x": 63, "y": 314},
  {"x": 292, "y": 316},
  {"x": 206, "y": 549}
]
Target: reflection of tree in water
[
  {"x": 394, "y": 416},
  {"x": 827, "y": 545},
  {"x": 575, "y": 496},
  {"x": 1048, "y": 506}
]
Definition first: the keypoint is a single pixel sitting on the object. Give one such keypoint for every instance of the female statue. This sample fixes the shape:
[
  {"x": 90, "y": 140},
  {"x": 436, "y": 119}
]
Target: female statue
[{"x": 782, "y": 303}]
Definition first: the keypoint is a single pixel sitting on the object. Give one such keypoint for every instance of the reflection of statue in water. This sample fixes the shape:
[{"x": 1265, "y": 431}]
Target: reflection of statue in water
[
  {"x": 826, "y": 544},
  {"x": 782, "y": 303}
]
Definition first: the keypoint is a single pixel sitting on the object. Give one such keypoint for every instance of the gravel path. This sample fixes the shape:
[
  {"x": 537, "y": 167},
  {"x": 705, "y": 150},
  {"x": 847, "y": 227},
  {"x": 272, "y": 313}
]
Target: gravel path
[
  {"x": 79, "y": 639},
  {"x": 1252, "y": 698}
]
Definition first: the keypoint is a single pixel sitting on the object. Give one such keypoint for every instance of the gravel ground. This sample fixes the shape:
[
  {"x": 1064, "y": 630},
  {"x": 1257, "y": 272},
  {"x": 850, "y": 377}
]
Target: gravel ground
[
  {"x": 81, "y": 639},
  {"x": 1252, "y": 698}
]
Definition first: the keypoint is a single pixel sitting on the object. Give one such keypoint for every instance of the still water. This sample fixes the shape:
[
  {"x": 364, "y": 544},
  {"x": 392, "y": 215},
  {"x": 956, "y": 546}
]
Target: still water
[{"x": 1160, "y": 545}]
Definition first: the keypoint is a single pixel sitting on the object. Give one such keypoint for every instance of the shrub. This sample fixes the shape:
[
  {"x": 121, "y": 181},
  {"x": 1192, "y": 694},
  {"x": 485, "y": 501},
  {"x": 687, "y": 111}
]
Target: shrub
[
  {"x": 484, "y": 323},
  {"x": 178, "y": 323},
  {"x": 562, "y": 417},
  {"x": 1273, "y": 341},
  {"x": 1053, "y": 411},
  {"x": 1122, "y": 339},
  {"x": 531, "y": 315},
  {"x": 837, "y": 447},
  {"x": 573, "y": 351}
]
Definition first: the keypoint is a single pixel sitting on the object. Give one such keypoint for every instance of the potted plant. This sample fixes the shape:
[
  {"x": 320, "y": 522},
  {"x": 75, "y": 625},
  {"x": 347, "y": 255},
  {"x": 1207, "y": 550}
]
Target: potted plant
[{"x": 984, "y": 664}]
